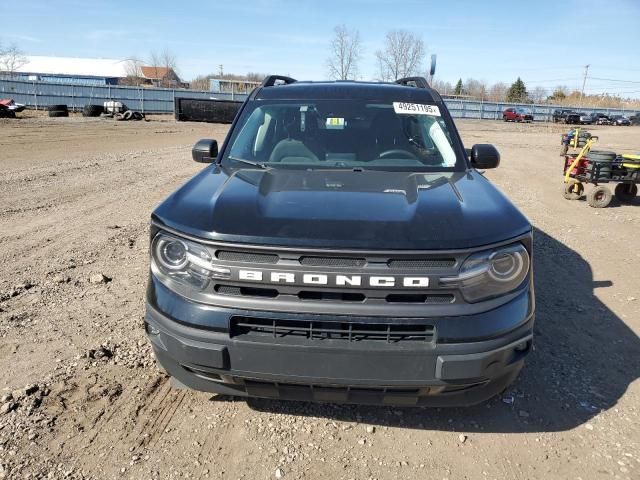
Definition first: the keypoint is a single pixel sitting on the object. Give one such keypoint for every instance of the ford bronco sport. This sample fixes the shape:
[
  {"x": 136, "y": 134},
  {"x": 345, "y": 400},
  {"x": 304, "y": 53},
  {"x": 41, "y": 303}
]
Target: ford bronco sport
[{"x": 342, "y": 246}]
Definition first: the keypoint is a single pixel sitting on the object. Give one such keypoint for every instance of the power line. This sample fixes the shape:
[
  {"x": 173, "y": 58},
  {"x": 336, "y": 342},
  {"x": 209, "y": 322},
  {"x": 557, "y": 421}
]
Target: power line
[{"x": 614, "y": 80}]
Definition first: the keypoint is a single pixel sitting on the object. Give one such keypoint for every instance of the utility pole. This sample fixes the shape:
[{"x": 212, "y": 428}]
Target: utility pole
[
  {"x": 221, "y": 71},
  {"x": 584, "y": 82}
]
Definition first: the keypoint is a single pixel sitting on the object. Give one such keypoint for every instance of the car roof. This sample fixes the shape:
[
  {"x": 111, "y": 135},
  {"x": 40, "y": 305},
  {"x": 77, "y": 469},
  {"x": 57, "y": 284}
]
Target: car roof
[{"x": 338, "y": 90}]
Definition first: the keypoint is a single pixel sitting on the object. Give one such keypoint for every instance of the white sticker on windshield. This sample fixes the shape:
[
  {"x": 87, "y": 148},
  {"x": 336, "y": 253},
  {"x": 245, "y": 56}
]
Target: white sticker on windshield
[{"x": 402, "y": 108}]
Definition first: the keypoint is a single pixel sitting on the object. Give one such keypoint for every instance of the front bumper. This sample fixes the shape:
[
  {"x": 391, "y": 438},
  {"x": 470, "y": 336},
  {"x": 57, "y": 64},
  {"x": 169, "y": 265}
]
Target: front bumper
[{"x": 469, "y": 360}]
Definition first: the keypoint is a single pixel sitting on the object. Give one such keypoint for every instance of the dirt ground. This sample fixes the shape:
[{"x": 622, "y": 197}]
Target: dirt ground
[{"x": 82, "y": 397}]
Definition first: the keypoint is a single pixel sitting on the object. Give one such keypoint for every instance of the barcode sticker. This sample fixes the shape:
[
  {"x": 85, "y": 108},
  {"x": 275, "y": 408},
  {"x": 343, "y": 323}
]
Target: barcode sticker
[{"x": 402, "y": 108}]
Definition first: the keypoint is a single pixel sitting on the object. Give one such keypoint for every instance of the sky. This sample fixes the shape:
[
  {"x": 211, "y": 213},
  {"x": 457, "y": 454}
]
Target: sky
[{"x": 546, "y": 42}]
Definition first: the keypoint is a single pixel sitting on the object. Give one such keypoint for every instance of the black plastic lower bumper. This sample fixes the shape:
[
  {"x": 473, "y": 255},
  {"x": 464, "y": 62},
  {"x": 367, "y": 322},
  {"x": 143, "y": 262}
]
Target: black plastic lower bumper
[{"x": 429, "y": 373}]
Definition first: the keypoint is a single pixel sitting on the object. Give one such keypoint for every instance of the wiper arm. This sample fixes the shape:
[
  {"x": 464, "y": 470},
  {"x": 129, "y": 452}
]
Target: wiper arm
[{"x": 248, "y": 162}]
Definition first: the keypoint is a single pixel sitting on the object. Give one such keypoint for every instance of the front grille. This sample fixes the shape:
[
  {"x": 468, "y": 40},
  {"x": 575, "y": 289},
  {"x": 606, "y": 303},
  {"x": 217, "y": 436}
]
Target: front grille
[
  {"x": 332, "y": 261},
  {"x": 254, "y": 327},
  {"x": 346, "y": 281},
  {"x": 246, "y": 257},
  {"x": 422, "y": 263}
]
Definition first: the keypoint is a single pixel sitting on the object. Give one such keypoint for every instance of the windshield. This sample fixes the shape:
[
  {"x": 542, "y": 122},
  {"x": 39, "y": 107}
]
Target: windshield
[{"x": 343, "y": 134}]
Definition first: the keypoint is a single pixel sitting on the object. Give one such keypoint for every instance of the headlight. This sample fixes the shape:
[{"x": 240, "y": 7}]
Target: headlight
[
  {"x": 491, "y": 273},
  {"x": 176, "y": 261}
]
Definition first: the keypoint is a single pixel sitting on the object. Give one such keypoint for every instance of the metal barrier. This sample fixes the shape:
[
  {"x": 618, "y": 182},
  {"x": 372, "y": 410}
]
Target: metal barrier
[
  {"x": 149, "y": 100},
  {"x": 162, "y": 100}
]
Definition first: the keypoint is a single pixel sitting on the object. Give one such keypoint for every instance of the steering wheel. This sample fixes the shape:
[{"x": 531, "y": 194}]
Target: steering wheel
[{"x": 398, "y": 151}]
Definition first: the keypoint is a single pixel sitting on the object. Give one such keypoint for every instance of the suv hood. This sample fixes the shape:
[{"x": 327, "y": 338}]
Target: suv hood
[{"x": 342, "y": 209}]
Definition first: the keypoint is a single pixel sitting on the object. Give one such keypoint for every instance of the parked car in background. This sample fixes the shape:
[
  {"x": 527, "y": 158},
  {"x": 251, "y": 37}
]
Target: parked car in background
[
  {"x": 599, "y": 119},
  {"x": 559, "y": 115},
  {"x": 586, "y": 119},
  {"x": 517, "y": 114},
  {"x": 572, "y": 118},
  {"x": 635, "y": 119},
  {"x": 620, "y": 120}
]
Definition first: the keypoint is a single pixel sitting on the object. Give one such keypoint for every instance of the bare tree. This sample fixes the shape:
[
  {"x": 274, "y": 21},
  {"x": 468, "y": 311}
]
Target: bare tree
[
  {"x": 442, "y": 87},
  {"x": 12, "y": 59},
  {"x": 346, "y": 52},
  {"x": 538, "y": 94},
  {"x": 133, "y": 66},
  {"x": 164, "y": 66},
  {"x": 133, "y": 70},
  {"x": 402, "y": 55},
  {"x": 497, "y": 92},
  {"x": 154, "y": 61},
  {"x": 475, "y": 88}
]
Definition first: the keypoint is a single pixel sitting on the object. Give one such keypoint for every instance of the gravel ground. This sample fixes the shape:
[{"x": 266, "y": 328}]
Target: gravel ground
[{"x": 81, "y": 397}]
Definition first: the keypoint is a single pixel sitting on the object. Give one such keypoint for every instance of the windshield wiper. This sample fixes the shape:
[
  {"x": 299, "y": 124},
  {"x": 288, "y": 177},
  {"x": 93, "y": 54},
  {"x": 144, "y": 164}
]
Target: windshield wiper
[{"x": 248, "y": 162}]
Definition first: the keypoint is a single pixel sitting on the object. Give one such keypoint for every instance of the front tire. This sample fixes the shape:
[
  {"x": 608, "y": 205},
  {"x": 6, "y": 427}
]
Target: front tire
[
  {"x": 599, "y": 197},
  {"x": 572, "y": 190}
]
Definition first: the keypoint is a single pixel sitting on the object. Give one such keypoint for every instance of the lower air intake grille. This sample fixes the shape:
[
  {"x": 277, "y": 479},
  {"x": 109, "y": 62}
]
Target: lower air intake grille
[{"x": 319, "y": 331}]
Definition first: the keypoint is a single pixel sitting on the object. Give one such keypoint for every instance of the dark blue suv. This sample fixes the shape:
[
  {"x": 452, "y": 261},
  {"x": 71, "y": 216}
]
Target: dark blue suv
[{"x": 341, "y": 246}]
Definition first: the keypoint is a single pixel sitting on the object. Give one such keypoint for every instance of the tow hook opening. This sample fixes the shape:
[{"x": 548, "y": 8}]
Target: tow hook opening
[{"x": 150, "y": 329}]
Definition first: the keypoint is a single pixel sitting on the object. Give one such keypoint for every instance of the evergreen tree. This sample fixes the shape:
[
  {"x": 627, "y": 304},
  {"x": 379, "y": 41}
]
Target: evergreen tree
[
  {"x": 517, "y": 92},
  {"x": 459, "y": 88}
]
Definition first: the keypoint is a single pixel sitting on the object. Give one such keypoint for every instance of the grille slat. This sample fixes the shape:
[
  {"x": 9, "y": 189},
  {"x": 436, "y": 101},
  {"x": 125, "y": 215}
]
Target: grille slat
[
  {"x": 332, "y": 261},
  {"x": 247, "y": 257},
  {"x": 340, "y": 296},
  {"x": 319, "y": 331},
  {"x": 421, "y": 263},
  {"x": 246, "y": 291},
  {"x": 420, "y": 298}
]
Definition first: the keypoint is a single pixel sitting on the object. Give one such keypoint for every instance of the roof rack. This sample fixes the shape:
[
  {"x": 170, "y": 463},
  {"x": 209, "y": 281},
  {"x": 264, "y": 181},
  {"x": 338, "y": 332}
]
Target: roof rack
[
  {"x": 271, "y": 80},
  {"x": 418, "y": 82}
]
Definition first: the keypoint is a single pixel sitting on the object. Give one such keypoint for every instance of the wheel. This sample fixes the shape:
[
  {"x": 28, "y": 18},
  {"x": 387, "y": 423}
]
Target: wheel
[
  {"x": 137, "y": 116},
  {"x": 92, "y": 110},
  {"x": 128, "y": 114},
  {"x": 572, "y": 190},
  {"x": 626, "y": 192},
  {"x": 58, "y": 113},
  {"x": 599, "y": 197},
  {"x": 504, "y": 117}
]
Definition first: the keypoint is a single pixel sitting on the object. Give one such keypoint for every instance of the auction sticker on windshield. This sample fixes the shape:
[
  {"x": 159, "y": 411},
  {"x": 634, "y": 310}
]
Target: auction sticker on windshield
[{"x": 415, "y": 109}]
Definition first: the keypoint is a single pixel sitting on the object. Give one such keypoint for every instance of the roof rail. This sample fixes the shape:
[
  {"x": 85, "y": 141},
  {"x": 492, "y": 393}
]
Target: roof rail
[
  {"x": 271, "y": 80},
  {"x": 418, "y": 82}
]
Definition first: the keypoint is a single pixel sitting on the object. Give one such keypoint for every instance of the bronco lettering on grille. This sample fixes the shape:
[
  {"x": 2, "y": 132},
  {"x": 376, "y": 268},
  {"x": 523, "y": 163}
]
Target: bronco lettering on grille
[{"x": 339, "y": 280}]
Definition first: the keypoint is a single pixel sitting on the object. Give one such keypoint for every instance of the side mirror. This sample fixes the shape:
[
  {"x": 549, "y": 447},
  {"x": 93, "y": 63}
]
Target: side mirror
[
  {"x": 484, "y": 156},
  {"x": 205, "y": 151}
]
